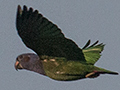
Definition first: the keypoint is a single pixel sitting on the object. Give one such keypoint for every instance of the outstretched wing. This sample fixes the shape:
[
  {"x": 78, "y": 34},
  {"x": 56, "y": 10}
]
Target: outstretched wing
[
  {"x": 92, "y": 53},
  {"x": 44, "y": 37}
]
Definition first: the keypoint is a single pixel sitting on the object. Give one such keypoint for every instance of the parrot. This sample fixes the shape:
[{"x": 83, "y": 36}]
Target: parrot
[{"x": 56, "y": 56}]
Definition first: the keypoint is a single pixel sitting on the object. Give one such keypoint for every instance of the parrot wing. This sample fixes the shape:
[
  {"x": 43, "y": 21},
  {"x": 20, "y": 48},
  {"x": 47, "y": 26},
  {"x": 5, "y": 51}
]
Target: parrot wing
[
  {"x": 44, "y": 37},
  {"x": 92, "y": 53}
]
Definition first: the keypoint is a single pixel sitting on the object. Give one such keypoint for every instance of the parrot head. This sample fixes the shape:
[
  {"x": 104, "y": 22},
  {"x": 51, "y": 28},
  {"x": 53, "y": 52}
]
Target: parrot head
[
  {"x": 26, "y": 61},
  {"x": 29, "y": 61}
]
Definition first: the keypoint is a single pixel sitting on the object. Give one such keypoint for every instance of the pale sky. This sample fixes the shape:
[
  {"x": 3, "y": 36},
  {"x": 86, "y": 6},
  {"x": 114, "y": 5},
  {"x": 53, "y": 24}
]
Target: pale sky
[{"x": 79, "y": 20}]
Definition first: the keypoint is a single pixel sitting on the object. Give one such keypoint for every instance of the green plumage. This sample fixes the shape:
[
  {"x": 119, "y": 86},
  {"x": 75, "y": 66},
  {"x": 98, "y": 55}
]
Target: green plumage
[
  {"x": 62, "y": 69},
  {"x": 62, "y": 59},
  {"x": 92, "y": 53}
]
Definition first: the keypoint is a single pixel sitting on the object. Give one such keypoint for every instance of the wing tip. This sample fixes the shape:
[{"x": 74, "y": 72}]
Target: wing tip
[
  {"x": 94, "y": 44},
  {"x": 19, "y": 7},
  {"x": 19, "y": 10},
  {"x": 87, "y": 44}
]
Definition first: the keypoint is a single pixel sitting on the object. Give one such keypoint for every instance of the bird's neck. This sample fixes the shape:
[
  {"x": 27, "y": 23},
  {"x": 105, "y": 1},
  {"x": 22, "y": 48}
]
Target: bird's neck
[{"x": 38, "y": 67}]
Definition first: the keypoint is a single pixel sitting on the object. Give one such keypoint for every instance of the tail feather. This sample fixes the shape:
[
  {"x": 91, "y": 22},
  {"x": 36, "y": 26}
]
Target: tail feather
[
  {"x": 95, "y": 74},
  {"x": 115, "y": 73},
  {"x": 106, "y": 72}
]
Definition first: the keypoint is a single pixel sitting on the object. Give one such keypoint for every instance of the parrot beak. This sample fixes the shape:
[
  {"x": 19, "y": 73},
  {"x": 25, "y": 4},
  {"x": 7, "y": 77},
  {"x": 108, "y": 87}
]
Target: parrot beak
[{"x": 18, "y": 65}]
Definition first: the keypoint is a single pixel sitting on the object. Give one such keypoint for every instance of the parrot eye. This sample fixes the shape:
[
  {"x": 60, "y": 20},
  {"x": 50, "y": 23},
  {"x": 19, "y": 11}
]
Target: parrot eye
[{"x": 26, "y": 58}]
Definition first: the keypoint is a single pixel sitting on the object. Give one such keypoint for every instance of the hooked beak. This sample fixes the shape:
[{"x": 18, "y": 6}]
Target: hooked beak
[{"x": 18, "y": 65}]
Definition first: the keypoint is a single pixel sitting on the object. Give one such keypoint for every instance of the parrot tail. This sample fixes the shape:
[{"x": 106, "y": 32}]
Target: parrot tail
[{"x": 95, "y": 74}]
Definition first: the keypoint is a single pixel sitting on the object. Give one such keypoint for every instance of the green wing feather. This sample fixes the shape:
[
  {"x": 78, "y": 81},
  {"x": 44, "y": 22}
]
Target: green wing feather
[
  {"x": 92, "y": 53},
  {"x": 44, "y": 37}
]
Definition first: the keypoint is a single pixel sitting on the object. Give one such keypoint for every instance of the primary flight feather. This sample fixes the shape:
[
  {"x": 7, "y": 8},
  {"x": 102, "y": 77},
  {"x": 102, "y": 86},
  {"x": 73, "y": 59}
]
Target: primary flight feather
[{"x": 57, "y": 56}]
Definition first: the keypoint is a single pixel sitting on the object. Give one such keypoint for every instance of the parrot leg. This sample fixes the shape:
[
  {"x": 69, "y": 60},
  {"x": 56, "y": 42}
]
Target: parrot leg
[{"x": 93, "y": 74}]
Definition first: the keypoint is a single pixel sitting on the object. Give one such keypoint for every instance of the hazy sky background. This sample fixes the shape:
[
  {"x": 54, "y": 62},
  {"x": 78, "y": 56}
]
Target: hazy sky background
[{"x": 79, "y": 20}]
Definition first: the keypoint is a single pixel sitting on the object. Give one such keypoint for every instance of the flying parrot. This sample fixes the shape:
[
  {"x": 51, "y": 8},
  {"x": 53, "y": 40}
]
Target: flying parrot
[{"x": 56, "y": 56}]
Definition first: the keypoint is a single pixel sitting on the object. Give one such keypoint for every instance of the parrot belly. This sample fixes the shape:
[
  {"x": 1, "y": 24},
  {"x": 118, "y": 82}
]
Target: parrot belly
[{"x": 66, "y": 70}]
